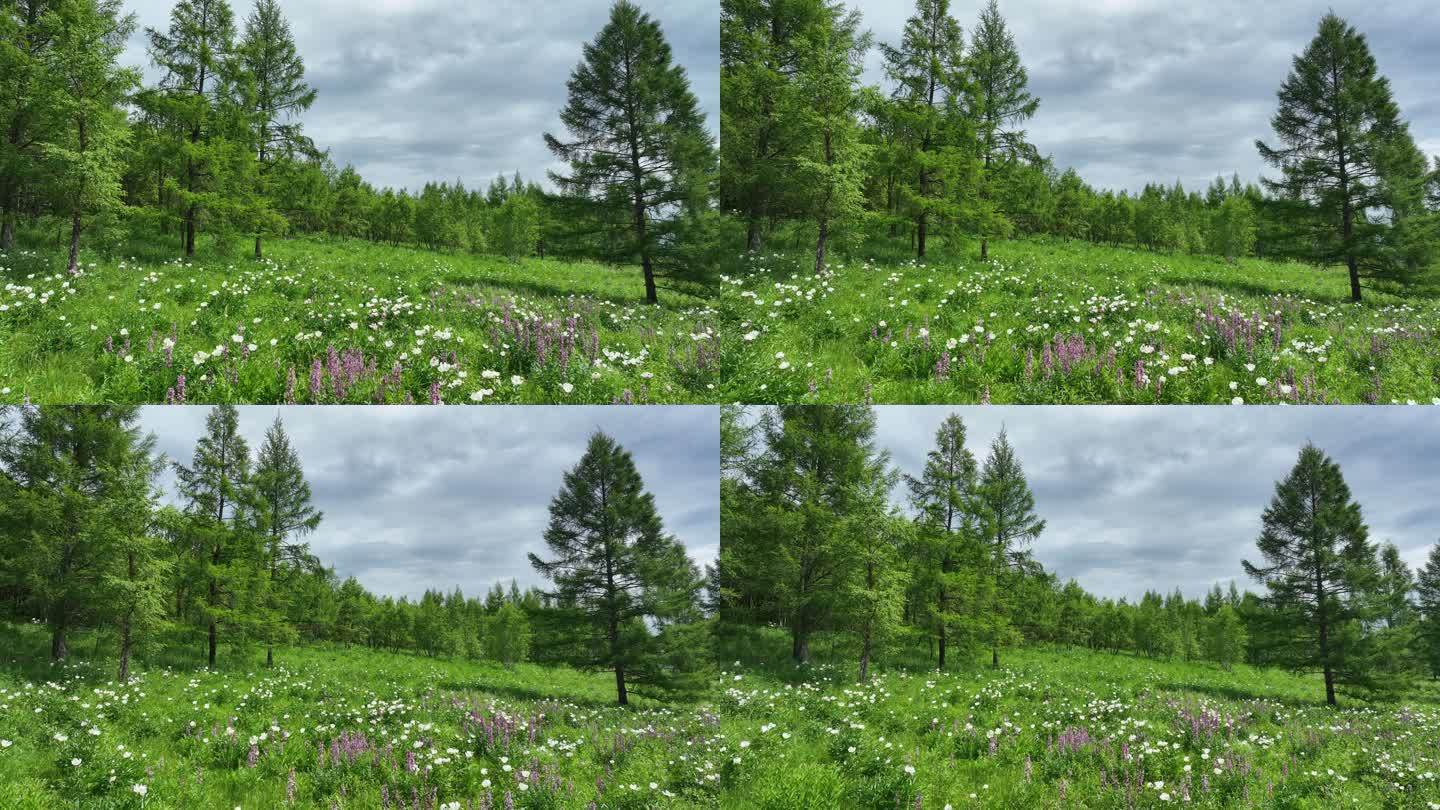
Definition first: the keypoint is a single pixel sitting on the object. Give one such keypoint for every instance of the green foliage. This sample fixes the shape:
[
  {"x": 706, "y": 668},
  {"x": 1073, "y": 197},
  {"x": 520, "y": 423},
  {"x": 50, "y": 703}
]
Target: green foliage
[
  {"x": 615, "y": 566},
  {"x": 1338, "y": 125},
  {"x": 1319, "y": 568},
  {"x": 641, "y": 161},
  {"x": 507, "y": 637}
]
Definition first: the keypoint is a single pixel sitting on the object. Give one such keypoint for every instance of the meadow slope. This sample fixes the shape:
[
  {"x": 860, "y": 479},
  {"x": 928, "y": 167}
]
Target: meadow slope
[
  {"x": 357, "y": 728},
  {"x": 346, "y": 321},
  {"x": 1055, "y": 322}
]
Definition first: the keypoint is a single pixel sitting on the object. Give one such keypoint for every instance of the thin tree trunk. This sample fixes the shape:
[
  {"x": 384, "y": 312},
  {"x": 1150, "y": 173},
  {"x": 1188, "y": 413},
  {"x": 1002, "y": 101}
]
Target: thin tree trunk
[
  {"x": 124, "y": 674},
  {"x": 59, "y": 649},
  {"x": 74, "y": 265},
  {"x": 820, "y": 245},
  {"x": 620, "y": 685}
]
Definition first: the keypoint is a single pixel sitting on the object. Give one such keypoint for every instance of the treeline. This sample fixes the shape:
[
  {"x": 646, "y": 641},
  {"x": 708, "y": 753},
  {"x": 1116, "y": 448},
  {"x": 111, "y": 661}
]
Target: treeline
[
  {"x": 940, "y": 149},
  {"x": 813, "y": 544},
  {"x": 218, "y": 146}
]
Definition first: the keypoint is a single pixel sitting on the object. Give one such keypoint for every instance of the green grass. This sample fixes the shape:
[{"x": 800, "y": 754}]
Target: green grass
[
  {"x": 385, "y": 324},
  {"x": 188, "y": 734},
  {"x": 1073, "y": 728},
  {"x": 1053, "y": 728},
  {"x": 1050, "y": 322}
]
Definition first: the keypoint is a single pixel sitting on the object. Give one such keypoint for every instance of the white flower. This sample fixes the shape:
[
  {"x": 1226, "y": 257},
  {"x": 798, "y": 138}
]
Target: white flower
[
  {"x": 76, "y": 762},
  {"x": 910, "y": 770},
  {"x": 752, "y": 334},
  {"x": 139, "y": 790},
  {"x": 567, "y": 387},
  {"x": 480, "y": 394},
  {"x": 6, "y": 743},
  {"x": 1237, "y": 401},
  {"x": 1261, "y": 381},
  {"x": 517, "y": 380}
]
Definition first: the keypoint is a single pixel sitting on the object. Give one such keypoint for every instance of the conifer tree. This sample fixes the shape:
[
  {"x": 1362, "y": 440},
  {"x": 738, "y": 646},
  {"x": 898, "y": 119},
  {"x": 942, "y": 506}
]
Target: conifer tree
[
  {"x": 86, "y": 154},
  {"x": 875, "y": 595},
  {"x": 1225, "y": 643},
  {"x": 218, "y": 493},
  {"x": 69, "y": 470},
  {"x": 640, "y": 157},
  {"x": 1320, "y": 567},
  {"x": 759, "y": 62},
  {"x": 285, "y": 514},
  {"x": 613, "y": 560},
  {"x": 1002, "y": 101},
  {"x": 508, "y": 636},
  {"x": 25, "y": 42},
  {"x": 943, "y": 498},
  {"x": 831, "y": 162},
  {"x": 197, "y": 58},
  {"x": 1427, "y": 596},
  {"x": 936, "y": 141},
  {"x": 791, "y": 546},
  {"x": 273, "y": 92},
  {"x": 1005, "y": 511},
  {"x": 1335, "y": 122}
]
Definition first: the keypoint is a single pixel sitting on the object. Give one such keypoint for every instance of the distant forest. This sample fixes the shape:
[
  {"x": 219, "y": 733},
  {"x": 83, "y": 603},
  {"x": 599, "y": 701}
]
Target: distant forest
[
  {"x": 217, "y": 147},
  {"x": 810, "y": 155}
]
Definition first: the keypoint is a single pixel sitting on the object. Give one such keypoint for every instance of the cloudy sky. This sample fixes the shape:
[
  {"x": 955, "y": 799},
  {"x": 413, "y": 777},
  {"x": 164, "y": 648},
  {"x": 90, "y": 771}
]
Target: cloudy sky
[
  {"x": 1134, "y": 91},
  {"x": 418, "y": 498},
  {"x": 418, "y": 90},
  {"x": 1160, "y": 497}
]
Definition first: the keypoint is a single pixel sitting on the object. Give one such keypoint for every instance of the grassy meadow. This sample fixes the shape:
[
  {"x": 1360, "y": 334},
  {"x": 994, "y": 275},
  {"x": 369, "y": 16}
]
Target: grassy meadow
[
  {"x": 358, "y": 728},
  {"x": 1056, "y": 322},
  {"x": 346, "y": 322}
]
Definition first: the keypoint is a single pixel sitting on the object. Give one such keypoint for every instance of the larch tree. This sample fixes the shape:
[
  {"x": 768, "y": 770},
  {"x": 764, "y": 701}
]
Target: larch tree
[
  {"x": 66, "y": 474},
  {"x": 25, "y": 42},
  {"x": 133, "y": 589},
  {"x": 874, "y": 596},
  {"x": 640, "y": 157},
  {"x": 943, "y": 499},
  {"x": 831, "y": 165},
  {"x": 1335, "y": 122},
  {"x": 274, "y": 93},
  {"x": 284, "y": 514},
  {"x": 1008, "y": 524},
  {"x": 507, "y": 636},
  {"x": 935, "y": 142},
  {"x": 612, "y": 559},
  {"x": 196, "y": 56},
  {"x": 86, "y": 155},
  {"x": 1319, "y": 567},
  {"x": 1002, "y": 102},
  {"x": 815, "y": 463},
  {"x": 1427, "y": 597},
  {"x": 218, "y": 493},
  {"x": 1225, "y": 637}
]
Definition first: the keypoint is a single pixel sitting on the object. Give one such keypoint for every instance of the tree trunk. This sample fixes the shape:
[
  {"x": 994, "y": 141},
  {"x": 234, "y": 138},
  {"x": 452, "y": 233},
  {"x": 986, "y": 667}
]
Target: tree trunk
[
  {"x": 620, "y": 692},
  {"x": 7, "y": 221},
  {"x": 257, "y": 247},
  {"x": 920, "y": 236},
  {"x": 820, "y": 245},
  {"x": 995, "y": 657},
  {"x": 124, "y": 675},
  {"x": 74, "y": 265},
  {"x": 59, "y": 649},
  {"x": 800, "y": 646},
  {"x": 269, "y": 656},
  {"x": 984, "y": 248}
]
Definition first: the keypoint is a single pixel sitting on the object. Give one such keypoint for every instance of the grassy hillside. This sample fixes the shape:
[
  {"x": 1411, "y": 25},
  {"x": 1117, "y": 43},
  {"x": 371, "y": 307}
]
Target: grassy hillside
[
  {"x": 324, "y": 322},
  {"x": 1069, "y": 322},
  {"x": 361, "y": 729}
]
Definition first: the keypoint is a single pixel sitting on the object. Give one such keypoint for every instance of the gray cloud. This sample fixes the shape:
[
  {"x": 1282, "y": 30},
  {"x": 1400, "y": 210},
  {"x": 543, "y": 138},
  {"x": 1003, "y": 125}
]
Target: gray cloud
[
  {"x": 1135, "y": 91},
  {"x": 418, "y": 90},
  {"x": 418, "y": 498},
  {"x": 1141, "y": 498}
]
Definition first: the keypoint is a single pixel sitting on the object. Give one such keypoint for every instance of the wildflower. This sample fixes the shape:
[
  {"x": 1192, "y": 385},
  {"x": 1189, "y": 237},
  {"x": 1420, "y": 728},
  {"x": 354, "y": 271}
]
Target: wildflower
[{"x": 139, "y": 790}]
